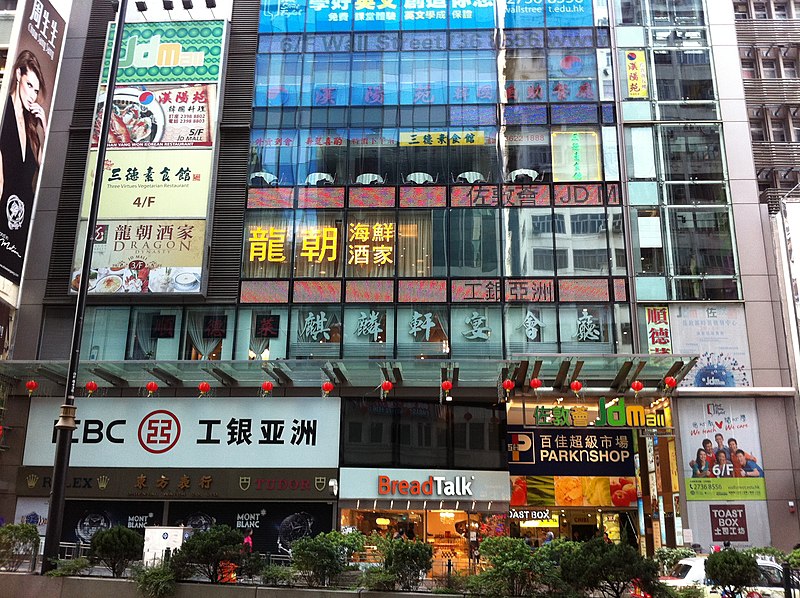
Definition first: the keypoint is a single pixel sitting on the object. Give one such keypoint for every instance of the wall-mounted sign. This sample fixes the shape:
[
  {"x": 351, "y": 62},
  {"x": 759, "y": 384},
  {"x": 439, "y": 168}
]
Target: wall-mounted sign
[
  {"x": 728, "y": 523},
  {"x": 32, "y": 67},
  {"x": 160, "y": 116},
  {"x": 442, "y": 138},
  {"x": 369, "y": 483},
  {"x": 146, "y": 256},
  {"x": 168, "y": 52},
  {"x": 615, "y": 414},
  {"x": 181, "y": 432},
  {"x": 659, "y": 336},
  {"x": 568, "y": 452},
  {"x": 151, "y": 184},
  {"x": 636, "y": 73}
]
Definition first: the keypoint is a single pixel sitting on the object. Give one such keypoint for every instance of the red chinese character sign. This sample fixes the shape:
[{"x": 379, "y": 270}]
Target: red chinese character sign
[{"x": 659, "y": 337}]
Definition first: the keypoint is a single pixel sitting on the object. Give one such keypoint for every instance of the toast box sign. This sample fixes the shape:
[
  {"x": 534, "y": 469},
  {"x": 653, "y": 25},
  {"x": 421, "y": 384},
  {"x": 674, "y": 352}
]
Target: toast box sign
[{"x": 184, "y": 432}]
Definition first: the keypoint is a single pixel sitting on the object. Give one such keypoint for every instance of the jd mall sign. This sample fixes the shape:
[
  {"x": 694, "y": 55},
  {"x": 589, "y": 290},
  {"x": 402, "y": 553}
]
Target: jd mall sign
[{"x": 422, "y": 484}]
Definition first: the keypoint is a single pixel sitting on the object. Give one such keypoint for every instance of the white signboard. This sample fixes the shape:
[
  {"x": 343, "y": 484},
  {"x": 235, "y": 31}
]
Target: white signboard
[
  {"x": 239, "y": 432},
  {"x": 420, "y": 484},
  {"x": 717, "y": 332}
]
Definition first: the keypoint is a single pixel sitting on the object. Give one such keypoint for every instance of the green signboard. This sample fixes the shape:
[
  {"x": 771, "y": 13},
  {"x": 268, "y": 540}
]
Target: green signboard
[
  {"x": 168, "y": 52},
  {"x": 726, "y": 489}
]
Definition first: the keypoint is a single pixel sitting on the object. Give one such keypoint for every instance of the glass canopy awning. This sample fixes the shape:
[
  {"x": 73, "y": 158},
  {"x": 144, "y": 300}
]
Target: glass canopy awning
[{"x": 598, "y": 373}]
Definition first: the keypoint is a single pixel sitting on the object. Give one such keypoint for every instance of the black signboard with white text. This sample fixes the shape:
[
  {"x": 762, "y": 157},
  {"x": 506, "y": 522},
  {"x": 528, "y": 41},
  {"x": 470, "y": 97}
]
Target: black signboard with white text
[{"x": 567, "y": 451}]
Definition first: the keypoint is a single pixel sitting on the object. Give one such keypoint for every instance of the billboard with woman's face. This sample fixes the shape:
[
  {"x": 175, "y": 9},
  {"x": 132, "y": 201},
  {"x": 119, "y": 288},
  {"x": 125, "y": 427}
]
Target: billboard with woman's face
[{"x": 31, "y": 75}]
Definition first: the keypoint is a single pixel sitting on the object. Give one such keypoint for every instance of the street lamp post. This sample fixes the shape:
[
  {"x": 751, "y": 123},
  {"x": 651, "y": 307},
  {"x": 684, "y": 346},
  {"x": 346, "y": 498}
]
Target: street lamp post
[{"x": 66, "y": 421}]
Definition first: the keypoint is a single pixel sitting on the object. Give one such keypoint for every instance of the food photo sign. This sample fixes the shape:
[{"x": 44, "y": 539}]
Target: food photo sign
[{"x": 157, "y": 176}]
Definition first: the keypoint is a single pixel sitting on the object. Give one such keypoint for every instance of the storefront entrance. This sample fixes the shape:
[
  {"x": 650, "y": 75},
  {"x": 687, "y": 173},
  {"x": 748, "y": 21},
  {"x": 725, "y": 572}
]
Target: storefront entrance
[{"x": 454, "y": 535}]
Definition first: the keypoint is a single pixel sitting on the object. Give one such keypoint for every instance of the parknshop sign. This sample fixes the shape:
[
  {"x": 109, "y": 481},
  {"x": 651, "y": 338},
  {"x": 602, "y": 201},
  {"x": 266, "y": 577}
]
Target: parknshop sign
[
  {"x": 238, "y": 432},
  {"x": 420, "y": 484}
]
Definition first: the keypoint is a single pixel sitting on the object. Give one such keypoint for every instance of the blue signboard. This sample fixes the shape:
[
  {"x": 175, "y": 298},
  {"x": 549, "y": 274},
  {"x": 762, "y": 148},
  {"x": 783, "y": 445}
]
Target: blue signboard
[
  {"x": 284, "y": 16},
  {"x": 568, "y": 13},
  {"x": 569, "y": 451}
]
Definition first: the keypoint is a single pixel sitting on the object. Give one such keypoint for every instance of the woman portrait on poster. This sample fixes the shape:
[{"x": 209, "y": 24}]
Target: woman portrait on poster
[
  {"x": 20, "y": 140},
  {"x": 701, "y": 468}
]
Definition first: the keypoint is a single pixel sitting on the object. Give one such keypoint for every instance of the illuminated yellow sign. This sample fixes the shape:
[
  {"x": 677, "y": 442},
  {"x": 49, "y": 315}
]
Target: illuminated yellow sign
[
  {"x": 269, "y": 245},
  {"x": 636, "y": 73},
  {"x": 367, "y": 244},
  {"x": 442, "y": 138},
  {"x": 375, "y": 241}
]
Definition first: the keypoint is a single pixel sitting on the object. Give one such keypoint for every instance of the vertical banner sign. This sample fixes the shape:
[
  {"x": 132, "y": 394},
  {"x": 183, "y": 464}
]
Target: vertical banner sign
[
  {"x": 659, "y": 337},
  {"x": 723, "y": 470},
  {"x": 636, "y": 73},
  {"x": 158, "y": 172},
  {"x": 30, "y": 82}
]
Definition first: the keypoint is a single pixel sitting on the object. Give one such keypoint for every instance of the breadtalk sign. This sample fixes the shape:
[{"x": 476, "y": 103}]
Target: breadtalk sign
[{"x": 458, "y": 485}]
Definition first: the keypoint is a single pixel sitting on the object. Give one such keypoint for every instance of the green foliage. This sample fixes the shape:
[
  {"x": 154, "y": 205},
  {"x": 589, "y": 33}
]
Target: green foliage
[
  {"x": 277, "y": 575},
  {"x": 407, "y": 560},
  {"x": 794, "y": 558},
  {"x": 251, "y": 565},
  {"x": 732, "y": 571},
  {"x": 693, "y": 591},
  {"x": 157, "y": 581},
  {"x": 319, "y": 560},
  {"x": 609, "y": 569},
  {"x": 766, "y": 552},
  {"x": 455, "y": 583},
  {"x": 116, "y": 548},
  {"x": 667, "y": 557},
  {"x": 70, "y": 567},
  {"x": 511, "y": 568},
  {"x": 19, "y": 542},
  {"x": 202, "y": 553},
  {"x": 378, "y": 579}
]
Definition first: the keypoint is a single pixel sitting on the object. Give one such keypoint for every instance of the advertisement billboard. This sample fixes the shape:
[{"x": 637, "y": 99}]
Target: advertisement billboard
[
  {"x": 722, "y": 470},
  {"x": 717, "y": 333},
  {"x": 34, "y": 59},
  {"x": 159, "y": 167}
]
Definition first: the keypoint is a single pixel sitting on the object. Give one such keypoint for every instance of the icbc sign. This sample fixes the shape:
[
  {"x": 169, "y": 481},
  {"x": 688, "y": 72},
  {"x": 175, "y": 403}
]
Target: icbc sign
[{"x": 159, "y": 431}]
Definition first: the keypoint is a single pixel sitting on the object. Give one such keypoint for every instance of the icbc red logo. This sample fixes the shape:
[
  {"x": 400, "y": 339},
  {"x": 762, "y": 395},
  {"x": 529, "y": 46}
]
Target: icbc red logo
[{"x": 159, "y": 431}]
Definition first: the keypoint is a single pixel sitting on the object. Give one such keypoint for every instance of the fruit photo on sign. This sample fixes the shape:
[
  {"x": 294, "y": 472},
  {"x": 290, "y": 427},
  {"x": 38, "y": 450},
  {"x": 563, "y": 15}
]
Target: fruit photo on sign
[
  {"x": 519, "y": 491},
  {"x": 623, "y": 491}
]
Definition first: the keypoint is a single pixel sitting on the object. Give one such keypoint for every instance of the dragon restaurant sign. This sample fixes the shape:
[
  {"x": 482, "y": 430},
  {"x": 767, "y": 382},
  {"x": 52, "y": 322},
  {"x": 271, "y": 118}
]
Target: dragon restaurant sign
[{"x": 612, "y": 414}]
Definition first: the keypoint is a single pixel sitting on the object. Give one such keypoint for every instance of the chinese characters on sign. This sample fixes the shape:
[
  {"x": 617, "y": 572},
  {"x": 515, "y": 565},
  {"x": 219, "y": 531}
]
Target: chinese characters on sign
[
  {"x": 659, "y": 339},
  {"x": 370, "y": 244},
  {"x": 636, "y": 73}
]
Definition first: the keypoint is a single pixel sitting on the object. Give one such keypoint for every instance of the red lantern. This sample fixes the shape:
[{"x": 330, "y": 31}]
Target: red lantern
[
  {"x": 91, "y": 387},
  {"x": 327, "y": 387},
  {"x": 31, "y": 385},
  {"x": 508, "y": 385},
  {"x": 447, "y": 386},
  {"x": 203, "y": 387},
  {"x": 637, "y": 386},
  {"x": 387, "y": 386},
  {"x": 670, "y": 382},
  {"x": 266, "y": 387},
  {"x": 576, "y": 386},
  {"x": 536, "y": 383},
  {"x": 151, "y": 387}
]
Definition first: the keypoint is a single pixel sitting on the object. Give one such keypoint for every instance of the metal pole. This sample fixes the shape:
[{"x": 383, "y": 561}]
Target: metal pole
[{"x": 66, "y": 422}]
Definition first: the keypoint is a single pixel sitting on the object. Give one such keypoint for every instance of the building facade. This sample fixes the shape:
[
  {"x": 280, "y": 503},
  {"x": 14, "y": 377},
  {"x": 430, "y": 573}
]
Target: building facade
[{"x": 440, "y": 264}]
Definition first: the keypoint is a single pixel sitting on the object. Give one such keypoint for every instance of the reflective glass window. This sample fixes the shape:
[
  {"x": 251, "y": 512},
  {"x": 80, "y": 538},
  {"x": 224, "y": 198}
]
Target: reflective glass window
[
  {"x": 319, "y": 241},
  {"x": 474, "y": 242},
  {"x": 371, "y": 241},
  {"x": 421, "y": 243},
  {"x": 316, "y": 331},
  {"x": 692, "y": 152}
]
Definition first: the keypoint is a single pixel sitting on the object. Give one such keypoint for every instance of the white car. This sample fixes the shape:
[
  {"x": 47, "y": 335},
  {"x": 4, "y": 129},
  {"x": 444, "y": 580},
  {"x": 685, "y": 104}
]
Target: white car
[{"x": 692, "y": 571}]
